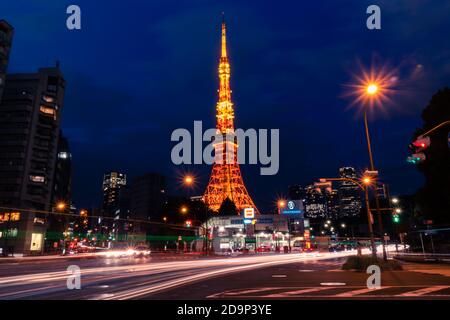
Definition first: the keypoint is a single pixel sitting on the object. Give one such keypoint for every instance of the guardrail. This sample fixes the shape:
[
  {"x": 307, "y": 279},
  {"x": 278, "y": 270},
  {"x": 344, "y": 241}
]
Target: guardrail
[{"x": 423, "y": 257}]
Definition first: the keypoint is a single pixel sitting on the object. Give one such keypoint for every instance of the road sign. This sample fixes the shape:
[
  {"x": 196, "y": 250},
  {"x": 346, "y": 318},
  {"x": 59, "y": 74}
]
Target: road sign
[
  {"x": 249, "y": 213},
  {"x": 250, "y": 240}
]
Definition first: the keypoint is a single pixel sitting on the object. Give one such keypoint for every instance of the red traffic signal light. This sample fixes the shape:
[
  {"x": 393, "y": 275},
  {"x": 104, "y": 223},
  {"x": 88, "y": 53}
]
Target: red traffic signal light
[
  {"x": 188, "y": 223},
  {"x": 422, "y": 143}
]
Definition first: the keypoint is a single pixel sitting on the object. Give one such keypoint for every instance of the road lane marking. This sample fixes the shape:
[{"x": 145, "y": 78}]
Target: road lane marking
[
  {"x": 296, "y": 292},
  {"x": 279, "y": 276},
  {"x": 360, "y": 291},
  {"x": 332, "y": 283},
  {"x": 423, "y": 291},
  {"x": 236, "y": 293}
]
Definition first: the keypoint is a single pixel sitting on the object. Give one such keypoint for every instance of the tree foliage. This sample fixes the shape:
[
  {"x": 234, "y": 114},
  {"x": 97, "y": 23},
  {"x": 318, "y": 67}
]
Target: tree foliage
[
  {"x": 228, "y": 208},
  {"x": 433, "y": 199}
]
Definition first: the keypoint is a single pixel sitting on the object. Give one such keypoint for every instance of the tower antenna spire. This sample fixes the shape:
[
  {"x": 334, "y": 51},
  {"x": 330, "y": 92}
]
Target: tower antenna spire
[{"x": 224, "y": 37}]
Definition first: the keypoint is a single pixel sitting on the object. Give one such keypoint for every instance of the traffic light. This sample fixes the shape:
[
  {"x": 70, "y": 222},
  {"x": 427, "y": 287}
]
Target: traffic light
[
  {"x": 418, "y": 145},
  {"x": 396, "y": 218},
  {"x": 188, "y": 223},
  {"x": 416, "y": 158},
  {"x": 422, "y": 143}
]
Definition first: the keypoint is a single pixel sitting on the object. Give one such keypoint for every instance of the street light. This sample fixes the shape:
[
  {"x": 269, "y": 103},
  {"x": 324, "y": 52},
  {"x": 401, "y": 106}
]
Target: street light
[
  {"x": 395, "y": 200},
  {"x": 183, "y": 209},
  {"x": 60, "y": 206},
  {"x": 188, "y": 180},
  {"x": 363, "y": 184},
  {"x": 372, "y": 89},
  {"x": 343, "y": 225},
  {"x": 366, "y": 180},
  {"x": 281, "y": 203},
  {"x": 398, "y": 210},
  {"x": 374, "y": 95}
]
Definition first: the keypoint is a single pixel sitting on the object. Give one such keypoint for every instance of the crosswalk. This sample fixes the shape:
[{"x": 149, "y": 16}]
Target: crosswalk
[{"x": 346, "y": 292}]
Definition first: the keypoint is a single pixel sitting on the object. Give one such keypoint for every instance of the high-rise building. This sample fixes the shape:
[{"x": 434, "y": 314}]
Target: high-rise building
[
  {"x": 226, "y": 180},
  {"x": 333, "y": 205},
  {"x": 112, "y": 185},
  {"x": 29, "y": 132},
  {"x": 315, "y": 203},
  {"x": 62, "y": 184},
  {"x": 6, "y": 35},
  {"x": 321, "y": 201},
  {"x": 349, "y": 194},
  {"x": 148, "y": 196},
  {"x": 57, "y": 224}
]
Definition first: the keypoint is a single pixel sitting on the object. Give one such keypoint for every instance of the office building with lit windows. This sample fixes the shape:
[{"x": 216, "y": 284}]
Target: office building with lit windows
[
  {"x": 30, "y": 113},
  {"x": 112, "y": 185},
  {"x": 349, "y": 194}
]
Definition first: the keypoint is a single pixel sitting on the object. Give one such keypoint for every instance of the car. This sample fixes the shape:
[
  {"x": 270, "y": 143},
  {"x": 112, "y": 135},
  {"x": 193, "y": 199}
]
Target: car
[
  {"x": 263, "y": 249},
  {"x": 141, "y": 251}
]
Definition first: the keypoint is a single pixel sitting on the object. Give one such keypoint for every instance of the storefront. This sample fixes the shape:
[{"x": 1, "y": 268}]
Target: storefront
[{"x": 264, "y": 233}]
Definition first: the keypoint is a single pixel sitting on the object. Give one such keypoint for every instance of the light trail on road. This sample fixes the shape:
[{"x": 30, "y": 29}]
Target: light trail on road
[{"x": 133, "y": 281}]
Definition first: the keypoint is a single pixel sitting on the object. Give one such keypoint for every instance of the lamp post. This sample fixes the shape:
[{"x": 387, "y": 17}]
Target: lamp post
[
  {"x": 280, "y": 205},
  {"x": 189, "y": 181},
  {"x": 363, "y": 184},
  {"x": 372, "y": 90},
  {"x": 60, "y": 206}
]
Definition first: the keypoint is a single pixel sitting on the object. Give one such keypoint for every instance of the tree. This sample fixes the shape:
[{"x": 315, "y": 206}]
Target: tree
[
  {"x": 228, "y": 208},
  {"x": 433, "y": 199}
]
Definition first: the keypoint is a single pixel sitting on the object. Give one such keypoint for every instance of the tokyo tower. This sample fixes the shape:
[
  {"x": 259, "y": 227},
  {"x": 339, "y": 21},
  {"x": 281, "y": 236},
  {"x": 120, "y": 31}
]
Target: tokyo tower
[{"x": 226, "y": 179}]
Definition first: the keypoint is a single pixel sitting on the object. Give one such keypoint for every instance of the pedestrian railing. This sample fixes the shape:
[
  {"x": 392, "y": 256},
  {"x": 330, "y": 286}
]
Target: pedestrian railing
[{"x": 426, "y": 257}]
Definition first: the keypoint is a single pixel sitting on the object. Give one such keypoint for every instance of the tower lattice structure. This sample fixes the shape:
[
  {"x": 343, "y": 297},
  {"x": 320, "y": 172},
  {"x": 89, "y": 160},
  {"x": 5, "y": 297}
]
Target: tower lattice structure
[{"x": 226, "y": 179}]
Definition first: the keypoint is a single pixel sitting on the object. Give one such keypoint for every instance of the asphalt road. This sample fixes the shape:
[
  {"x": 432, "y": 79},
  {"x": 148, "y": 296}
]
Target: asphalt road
[{"x": 266, "y": 276}]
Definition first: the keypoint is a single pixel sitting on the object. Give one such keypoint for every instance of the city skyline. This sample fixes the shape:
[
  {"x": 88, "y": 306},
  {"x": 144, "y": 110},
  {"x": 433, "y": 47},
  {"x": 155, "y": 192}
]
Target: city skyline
[{"x": 309, "y": 148}]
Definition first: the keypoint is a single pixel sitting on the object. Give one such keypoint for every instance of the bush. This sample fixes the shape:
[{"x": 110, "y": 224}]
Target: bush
[{"x": 360, "y": 263}]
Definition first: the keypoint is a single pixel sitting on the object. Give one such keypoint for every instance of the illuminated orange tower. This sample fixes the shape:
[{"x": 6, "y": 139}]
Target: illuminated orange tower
[{"x": 226, "y": 179}]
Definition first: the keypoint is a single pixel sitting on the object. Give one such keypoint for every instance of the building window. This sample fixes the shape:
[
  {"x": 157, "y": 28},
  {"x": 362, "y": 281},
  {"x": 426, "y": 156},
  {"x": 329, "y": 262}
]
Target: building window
[
  {"x": 11, "y": 233},
  {"x": 63, "y": 155},
  {"x": 38, "y": 179},
  {"x": 49, "y": 111},
  {"x": 48, "y": 99}
]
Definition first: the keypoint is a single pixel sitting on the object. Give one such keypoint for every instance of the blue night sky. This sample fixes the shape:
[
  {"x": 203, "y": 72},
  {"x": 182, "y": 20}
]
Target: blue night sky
[{"x": 140, "y": 69}]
